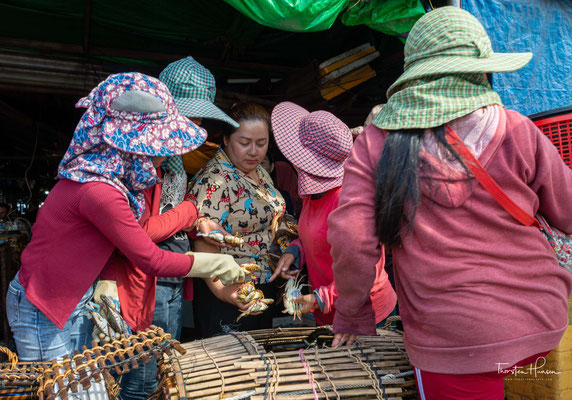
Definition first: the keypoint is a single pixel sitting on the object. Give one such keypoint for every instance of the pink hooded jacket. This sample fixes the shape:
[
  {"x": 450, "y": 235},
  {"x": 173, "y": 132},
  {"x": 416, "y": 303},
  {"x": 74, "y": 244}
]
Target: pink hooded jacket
[{"x": 475, "y": 287}]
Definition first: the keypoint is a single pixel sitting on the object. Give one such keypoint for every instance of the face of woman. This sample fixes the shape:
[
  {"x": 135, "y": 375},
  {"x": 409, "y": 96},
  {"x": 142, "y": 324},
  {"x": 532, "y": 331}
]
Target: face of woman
[{"x": 247, "y": 146}]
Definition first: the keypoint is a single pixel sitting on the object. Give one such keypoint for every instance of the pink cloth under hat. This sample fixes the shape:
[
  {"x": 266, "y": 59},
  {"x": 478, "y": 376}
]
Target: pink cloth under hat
[{"x": 317, "y": 143}]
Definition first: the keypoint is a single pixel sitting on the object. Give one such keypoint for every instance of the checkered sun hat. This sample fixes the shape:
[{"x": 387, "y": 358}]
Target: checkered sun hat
[
  {"x": 446, "y": 55},
  {"x": 317, "y": 143},
  {"x": 193, "y": 89},
  {"x": 451, "y": 40}
]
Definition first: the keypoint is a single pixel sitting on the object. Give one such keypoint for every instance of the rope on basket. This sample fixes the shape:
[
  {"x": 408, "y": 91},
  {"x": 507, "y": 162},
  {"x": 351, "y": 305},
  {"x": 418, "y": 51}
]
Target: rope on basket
[
  {"x": 12, "y": 357},
  {"x": 217, "y": 368},
  {"x": 371, "y": 371},
  {"x": 400, "y": 375},
  {"x": 275, "y": 376},
  {"x": 267, "y": 376},
  {"x": 332, "y": 385},
  {"x": 243, "y": 396},
  {"x": 308, "y": 391}
]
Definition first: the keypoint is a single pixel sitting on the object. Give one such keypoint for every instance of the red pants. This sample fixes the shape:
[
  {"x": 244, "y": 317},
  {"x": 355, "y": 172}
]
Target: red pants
[{"x": 484, "y": 386}]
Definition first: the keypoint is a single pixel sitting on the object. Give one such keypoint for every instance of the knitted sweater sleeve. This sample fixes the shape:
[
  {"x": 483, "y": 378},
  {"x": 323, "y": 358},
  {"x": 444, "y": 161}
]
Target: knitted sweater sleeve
[
  {"x": 350, "y": 227},
  {"x": 163, "y": 226},
  {"x": 108, "y": 210}
]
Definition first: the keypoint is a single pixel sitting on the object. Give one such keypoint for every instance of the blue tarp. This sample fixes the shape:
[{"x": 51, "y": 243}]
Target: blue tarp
[{"x": 543, "y": 27}]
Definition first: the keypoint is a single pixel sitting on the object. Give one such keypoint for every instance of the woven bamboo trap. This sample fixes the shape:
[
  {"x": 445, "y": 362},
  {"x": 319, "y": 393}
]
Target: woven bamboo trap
[
  {"x": 77, "y": 373},
  {"x": 288, "y": 364}
]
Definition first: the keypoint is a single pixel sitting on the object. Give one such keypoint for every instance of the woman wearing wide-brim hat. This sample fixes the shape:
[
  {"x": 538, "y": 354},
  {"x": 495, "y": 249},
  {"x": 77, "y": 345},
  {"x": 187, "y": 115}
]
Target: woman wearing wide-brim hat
[
  {"x": 478, "y": 291},
  {"x": 130, "y": 126},
  {"x": 318, "y": 144}
]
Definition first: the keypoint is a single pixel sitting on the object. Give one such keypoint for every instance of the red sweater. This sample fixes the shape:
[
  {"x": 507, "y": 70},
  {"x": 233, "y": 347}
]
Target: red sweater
[
  {"x": 315, "y": 253},
  {"x": 474, "y": 286},
  {"x": 137, "y": 290},
  {"x": 77, "y": 229}
]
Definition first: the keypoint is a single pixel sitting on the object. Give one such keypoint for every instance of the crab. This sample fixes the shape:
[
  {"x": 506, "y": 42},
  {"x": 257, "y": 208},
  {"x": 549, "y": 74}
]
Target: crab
[
  {"x": 292, "y": 291},
  {"x": 258, "y": 306},
  {"x": 220, "y": 237}
]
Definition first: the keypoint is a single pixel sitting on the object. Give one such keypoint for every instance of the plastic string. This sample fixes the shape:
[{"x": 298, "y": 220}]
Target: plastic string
[{"x": 307, "y": 369}]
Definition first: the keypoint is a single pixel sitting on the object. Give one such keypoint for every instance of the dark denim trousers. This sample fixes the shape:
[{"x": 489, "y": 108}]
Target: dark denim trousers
[
  {"x": 37, "y": 337},
  {"x": 140, "y": 383}
]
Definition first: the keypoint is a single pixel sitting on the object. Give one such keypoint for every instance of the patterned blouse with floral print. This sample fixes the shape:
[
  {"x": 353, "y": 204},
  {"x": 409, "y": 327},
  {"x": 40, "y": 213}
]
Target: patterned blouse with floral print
[{"x": 241, "y": 206}]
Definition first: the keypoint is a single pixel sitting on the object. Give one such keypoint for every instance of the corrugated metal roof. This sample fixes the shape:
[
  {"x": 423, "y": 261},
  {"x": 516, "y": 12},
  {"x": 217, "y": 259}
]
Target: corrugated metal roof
[{"x": 35, "y": 72}]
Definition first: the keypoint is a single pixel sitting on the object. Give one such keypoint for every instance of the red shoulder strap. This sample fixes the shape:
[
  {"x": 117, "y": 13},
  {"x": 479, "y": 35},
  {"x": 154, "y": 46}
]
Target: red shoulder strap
[{"x": 488, "y": 182}]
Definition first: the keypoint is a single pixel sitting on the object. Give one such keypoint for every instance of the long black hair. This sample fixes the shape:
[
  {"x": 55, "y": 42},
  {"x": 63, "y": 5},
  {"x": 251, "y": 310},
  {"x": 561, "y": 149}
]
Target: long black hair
[{"x": 398, "y": 188}]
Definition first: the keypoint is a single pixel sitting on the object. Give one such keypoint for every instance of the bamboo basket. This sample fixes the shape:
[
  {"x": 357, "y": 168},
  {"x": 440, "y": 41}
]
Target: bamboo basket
[
  {"x": 76, "y": 373},
  {"x": 289, "y": 364}
]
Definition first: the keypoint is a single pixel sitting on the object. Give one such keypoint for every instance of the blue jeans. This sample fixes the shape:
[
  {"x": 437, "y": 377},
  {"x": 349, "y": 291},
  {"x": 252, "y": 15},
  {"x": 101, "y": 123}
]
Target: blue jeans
[
  {"x": 37, "y": 337},
  {"x": 140, "y": 383}
]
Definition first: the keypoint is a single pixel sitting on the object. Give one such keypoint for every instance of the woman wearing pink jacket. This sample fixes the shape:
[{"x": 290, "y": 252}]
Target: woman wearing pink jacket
[{"x": 478, "y": 291}]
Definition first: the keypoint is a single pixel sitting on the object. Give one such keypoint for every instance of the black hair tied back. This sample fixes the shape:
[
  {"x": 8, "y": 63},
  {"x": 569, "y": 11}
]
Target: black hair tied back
[
  {"x": 397, "y": 191},
  {"x": 398, "y": 188}
]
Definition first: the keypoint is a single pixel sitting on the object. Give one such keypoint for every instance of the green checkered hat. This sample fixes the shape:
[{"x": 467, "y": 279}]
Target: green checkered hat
[
  {"x": 193, "y": 89},
  {"x": 446, "y": 54}
]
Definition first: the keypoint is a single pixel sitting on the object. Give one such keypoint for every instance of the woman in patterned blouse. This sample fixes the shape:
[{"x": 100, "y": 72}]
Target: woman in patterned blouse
[{"x": 235, "y": 191}]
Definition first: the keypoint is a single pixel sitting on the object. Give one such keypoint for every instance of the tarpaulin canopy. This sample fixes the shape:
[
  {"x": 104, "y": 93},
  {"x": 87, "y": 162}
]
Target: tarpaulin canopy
[
  {"x": 392, "y": 17},
  {"x": 292, "y": 15}
]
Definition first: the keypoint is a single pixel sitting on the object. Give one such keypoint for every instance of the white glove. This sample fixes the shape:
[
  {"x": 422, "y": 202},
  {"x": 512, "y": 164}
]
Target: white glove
[
  {"x": 108, "y": 288},
  {"x": 212, "y": 265},
  {"x": 106, "y": 315}
]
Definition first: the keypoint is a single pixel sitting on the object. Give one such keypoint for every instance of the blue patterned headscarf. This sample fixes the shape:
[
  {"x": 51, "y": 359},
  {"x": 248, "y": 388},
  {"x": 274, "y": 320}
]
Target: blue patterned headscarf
[{"x": 115, "y": 147}]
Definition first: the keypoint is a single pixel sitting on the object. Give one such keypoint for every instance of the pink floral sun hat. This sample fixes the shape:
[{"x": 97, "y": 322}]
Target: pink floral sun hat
[
  {"x": 130, "y": 118},
  {"x": 317, "y": 143},
  {"x": 136, "y": 113}
]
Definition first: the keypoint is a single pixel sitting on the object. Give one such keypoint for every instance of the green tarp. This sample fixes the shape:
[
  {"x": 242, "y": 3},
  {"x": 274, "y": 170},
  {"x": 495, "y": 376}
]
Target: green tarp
[
  {"x": 392, "y": 17},
  {"x": 292, "y": 15}
]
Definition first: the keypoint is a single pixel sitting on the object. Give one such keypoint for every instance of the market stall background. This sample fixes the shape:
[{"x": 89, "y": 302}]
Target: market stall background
[{"x": 53, "y": 52}]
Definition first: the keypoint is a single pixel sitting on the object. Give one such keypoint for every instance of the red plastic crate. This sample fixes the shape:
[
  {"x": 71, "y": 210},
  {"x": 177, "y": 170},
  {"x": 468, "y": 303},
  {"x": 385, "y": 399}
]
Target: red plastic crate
[{"x": 559, "y": 131}]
